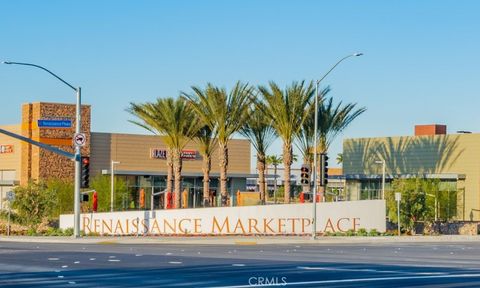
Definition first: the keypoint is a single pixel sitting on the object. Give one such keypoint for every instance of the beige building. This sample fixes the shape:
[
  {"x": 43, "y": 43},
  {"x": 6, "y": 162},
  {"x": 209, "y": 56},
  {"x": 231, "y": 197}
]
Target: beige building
[
  {"x": 142, "y": 157},
  {"x": 454, "y": 159}
]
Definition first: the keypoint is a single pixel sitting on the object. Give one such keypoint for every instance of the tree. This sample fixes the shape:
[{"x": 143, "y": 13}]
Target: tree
[
  {"x": 225, "y": 113},
  {"x": 287, "y": 109},
  {"x": 102, "y": 184},
  {"x": 261, "y": 134},
  {"x": 275, "y": 161},
  {"x": 332, "y": 120},
  {"x": 207, "y": 142},
  {"x": 339, "y": 158},
  {"x": 175, "y": 120},
  {"x": 305, "y": 137},
  {"x": 33, "y": 202},
  {"x": 413, "y": 206},
  {"x": 62, "y": 192}
]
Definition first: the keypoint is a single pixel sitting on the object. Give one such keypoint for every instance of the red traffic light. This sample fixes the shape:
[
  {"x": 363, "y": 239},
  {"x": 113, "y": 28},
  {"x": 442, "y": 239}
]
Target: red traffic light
[{"x": 85, "y": 160}]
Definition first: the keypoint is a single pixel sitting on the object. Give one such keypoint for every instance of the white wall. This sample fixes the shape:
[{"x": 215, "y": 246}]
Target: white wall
[{"x": 270, "y": 219}]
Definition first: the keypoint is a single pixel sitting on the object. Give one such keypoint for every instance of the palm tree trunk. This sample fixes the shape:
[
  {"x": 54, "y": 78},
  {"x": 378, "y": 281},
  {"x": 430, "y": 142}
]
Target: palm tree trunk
[
  {"x": 177, "y": 168},
  {"x": 206, "y": 167},
  {"x": 169, "y": 174},
  {"x": 261, "y": 176},
  {"x": 223, "y": 157},
  {"x": 275, "y": 183},
  {"x": 287, "y": 162}
]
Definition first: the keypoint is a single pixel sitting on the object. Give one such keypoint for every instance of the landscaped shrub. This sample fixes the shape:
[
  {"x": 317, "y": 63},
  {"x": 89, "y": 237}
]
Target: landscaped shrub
[{"x": 362, "y": 232}]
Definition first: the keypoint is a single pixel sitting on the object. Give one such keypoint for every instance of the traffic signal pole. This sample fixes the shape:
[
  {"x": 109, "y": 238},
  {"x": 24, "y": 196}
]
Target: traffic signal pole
[{"x": 78, "y": 157}]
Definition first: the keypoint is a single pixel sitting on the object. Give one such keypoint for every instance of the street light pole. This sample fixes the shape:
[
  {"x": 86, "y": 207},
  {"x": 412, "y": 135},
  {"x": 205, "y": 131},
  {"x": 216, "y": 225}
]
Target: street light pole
[
  {"x": 112, "y": 183},
  {"x": 315, "y": 144},
  {"x": 383, "y": 176},
  {"x": 78, "y": 155}
]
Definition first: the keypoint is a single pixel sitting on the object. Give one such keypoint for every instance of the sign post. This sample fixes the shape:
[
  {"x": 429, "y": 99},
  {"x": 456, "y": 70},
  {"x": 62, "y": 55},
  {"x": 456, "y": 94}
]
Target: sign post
[
  {"x": 398, "y": 198},
  {"x": 10, "y": 198}
]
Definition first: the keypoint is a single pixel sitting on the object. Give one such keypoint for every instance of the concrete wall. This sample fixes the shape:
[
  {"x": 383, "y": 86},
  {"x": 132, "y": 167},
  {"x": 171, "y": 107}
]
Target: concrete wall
[{"x": 250, "y": 220}]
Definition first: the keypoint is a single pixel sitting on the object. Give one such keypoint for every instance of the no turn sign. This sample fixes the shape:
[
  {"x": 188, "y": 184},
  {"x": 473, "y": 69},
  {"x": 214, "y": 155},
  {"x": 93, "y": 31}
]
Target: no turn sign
[{"x": 79, "y": 139}]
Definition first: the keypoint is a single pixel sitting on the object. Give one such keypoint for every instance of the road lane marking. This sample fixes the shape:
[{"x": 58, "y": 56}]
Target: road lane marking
[
  {"x": 238, "y": 265},
  {"x": 174, "y": 262},
  {"x": 113, "y": 260},
  {"x": 76, "y": 262},
  {"x": 53, "y": 259},
  {"x": 65, "y": 266},
  {"x": 369, "y": 270},
  {"x": 376, "y": 279},
  {"x": 92, "y": 259}
]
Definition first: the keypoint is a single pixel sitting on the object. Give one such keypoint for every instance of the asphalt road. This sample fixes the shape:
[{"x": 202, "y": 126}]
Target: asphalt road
[{"x": 165, "y": 265}]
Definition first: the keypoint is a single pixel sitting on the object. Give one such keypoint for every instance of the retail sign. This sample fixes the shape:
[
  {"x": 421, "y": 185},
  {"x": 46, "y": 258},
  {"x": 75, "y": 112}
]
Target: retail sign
[
  {"x": 162, "y": 154},
  {"x": 54, "y": 123},
  {"x": 4, "y": 149},
  {"x": 288, "y": 219}
]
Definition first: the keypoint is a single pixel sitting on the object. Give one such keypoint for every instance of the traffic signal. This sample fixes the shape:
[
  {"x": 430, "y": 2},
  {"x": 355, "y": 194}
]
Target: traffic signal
[
  {"x": 305, "y": 175},
  {"x": 85, "y": 180},
  {"x": 85, "y": 198},
  {"x": 323, "y": 169}
]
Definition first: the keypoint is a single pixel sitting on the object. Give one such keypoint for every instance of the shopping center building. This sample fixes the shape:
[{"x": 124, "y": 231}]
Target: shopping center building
[
  {"x": 453, "y": 159},
  {"x": 142, "y": 158}
]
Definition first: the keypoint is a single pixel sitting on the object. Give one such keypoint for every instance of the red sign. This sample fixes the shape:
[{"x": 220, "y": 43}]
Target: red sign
[
  {"x": 162, "y": 154},
  {"x": 6, "y": 149}
]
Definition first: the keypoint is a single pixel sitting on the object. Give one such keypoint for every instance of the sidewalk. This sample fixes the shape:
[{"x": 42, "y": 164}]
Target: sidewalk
[{"x": 236, "y": 240}]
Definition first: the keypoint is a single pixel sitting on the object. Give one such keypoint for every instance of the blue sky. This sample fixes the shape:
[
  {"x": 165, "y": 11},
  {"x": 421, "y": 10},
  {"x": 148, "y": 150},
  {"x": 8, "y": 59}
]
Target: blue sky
[{"x": 421, "y": 62}]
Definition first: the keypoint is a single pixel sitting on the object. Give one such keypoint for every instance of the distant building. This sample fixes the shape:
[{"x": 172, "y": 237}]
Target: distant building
[
  {"x": 454, "y": 159},
  {"x": 142, "y": 157}
]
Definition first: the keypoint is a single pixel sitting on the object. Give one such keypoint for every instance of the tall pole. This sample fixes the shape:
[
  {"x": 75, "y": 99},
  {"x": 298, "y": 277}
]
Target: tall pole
[
  {"x": 383, "y": 179},
  {"x": 398, "y": 216},
  {"x": 78, "y": 156},
  {"x": 314, "y": 194},
  {"x": 112, "y": 183},
  {"x": 78, "y": 171},
  {"x": 112, "y": 186}
]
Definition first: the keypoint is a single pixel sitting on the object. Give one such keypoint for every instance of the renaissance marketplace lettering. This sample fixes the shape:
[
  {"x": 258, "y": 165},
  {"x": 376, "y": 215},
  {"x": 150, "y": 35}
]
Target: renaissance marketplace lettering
[{"x": 251, "y": 220}]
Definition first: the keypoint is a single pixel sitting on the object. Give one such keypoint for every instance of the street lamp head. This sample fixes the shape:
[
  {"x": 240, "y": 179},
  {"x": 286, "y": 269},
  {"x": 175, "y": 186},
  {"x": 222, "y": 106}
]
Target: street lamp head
[
  {"x": 6, "y": 62},
  {"x": 358, "y": 54}
]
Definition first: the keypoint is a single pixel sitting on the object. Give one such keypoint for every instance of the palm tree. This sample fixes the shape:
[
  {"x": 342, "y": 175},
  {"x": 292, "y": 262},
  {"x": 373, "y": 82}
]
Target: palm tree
[
  {"x": 287, "y": 109},
  {"x": 274, "y": 160},
  {"x": 225, "y": 113},
  {"x": 207, "y": 142},
  {"x": 305, "y": 138},
  {"x": 175, "y": 120},
  {"x": 332, "y": 120},
  {"x": 340, "y": 158},
  {"x": 261, "y": 134}
]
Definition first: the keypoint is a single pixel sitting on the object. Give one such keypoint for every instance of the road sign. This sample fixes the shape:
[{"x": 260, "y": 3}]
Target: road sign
[
  {"x": 79, "y": 139},
  {"x": 10, "y": 195},
  {"x": 398, "y": 196},
  {"x": 59, "y": 123}
]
